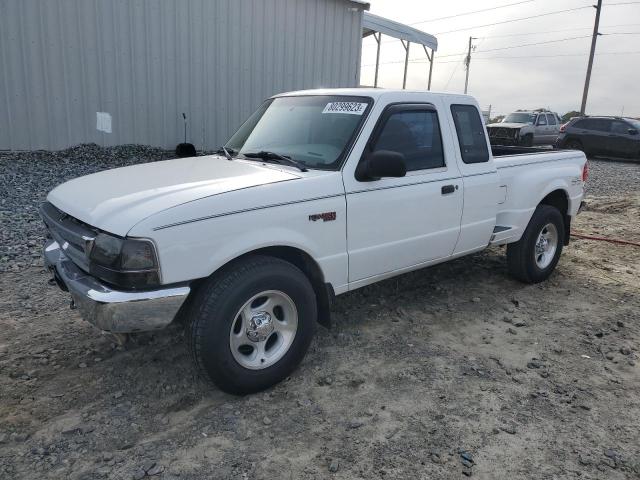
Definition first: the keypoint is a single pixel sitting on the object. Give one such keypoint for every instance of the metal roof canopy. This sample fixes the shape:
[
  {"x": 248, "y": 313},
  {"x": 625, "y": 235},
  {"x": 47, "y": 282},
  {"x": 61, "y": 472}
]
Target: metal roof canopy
[{"x": 376, "y": 26}]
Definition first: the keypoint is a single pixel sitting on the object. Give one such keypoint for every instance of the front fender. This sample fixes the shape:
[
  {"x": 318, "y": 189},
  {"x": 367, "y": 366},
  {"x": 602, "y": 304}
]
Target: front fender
[{"x": 197, "y": 248}]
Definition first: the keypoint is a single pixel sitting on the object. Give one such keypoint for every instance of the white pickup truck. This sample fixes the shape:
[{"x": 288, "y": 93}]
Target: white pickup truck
[{"x": 318, "y": 193}]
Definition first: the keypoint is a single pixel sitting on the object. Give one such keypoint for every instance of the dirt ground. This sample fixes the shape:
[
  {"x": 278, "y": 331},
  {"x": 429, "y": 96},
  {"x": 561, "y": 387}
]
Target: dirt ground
[{"x": 450, "y": 371}]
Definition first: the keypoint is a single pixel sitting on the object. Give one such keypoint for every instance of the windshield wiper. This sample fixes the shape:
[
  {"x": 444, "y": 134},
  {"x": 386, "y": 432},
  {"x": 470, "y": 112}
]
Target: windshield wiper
[
  {"x": 228, "y": 152},
  {"x": 276, "y": 157}
]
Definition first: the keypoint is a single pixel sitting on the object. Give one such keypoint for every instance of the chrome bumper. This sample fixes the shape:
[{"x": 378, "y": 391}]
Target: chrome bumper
[{"x": 113, "y": 310}]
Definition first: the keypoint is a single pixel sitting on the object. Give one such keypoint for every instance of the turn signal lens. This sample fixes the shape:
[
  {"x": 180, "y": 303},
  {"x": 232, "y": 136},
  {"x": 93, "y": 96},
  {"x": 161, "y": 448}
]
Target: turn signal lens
[{"x": 137, "y": 255}]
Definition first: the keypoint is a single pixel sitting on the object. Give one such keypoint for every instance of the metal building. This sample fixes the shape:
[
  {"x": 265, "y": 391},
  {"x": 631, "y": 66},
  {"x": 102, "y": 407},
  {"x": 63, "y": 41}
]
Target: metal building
[{"x": 122, "y": 71}]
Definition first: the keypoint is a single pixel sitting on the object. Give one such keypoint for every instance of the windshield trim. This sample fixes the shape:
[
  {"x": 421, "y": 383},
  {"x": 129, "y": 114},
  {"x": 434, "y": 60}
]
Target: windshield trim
[
  {"x": 340, "y": 160},
  {"x": 530, "y": 115}
]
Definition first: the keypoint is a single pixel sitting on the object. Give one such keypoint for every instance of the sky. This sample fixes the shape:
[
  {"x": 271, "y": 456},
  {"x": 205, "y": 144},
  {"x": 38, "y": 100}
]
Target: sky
[{"x": 551, "y": 75}]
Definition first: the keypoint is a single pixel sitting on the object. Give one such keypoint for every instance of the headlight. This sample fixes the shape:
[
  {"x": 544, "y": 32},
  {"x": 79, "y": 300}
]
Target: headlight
[{"x": 130, "y": 263}]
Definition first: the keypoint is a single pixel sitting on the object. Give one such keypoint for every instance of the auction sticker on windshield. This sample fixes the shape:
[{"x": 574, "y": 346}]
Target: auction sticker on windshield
[{"x": 351, "y": 108}]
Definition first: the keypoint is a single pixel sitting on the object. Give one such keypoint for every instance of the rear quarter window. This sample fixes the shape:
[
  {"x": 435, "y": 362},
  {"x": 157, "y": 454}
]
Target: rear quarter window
[
  {"x": 581, "y": 124},
  {"x": 471, "y": 134}
]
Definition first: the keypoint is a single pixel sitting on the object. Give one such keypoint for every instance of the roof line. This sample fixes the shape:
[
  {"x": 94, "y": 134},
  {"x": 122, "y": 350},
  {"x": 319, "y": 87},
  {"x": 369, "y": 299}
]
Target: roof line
[{"x": 373, "y": 23}]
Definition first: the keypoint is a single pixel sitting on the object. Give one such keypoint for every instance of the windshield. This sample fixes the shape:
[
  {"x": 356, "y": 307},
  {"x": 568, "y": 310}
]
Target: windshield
[
  {"x": 312, "y": 130},
  {"x": 634, "y": 123},
  {"x": 519, "y": 118}
]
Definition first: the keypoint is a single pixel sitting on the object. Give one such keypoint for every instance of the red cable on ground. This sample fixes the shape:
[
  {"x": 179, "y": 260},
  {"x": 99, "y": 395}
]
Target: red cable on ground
[{"x": 603, "y": 239}]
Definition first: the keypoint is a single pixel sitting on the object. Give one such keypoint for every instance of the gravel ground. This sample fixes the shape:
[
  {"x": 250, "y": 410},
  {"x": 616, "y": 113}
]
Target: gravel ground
[
  {"x": 613, "y": 178},
  {"x": 26, "y": 179},
  {"x": 448, "y": 372}
]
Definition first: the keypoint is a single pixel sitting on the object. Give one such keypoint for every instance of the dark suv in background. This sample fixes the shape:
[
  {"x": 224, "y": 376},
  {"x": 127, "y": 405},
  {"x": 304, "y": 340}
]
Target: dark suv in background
[{"x": 608, "y": 136}]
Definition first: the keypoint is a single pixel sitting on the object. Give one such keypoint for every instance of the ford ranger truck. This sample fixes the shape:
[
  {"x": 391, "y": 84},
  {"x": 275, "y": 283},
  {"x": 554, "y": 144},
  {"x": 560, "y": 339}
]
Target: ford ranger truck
[{"x": 317, "y": 194}]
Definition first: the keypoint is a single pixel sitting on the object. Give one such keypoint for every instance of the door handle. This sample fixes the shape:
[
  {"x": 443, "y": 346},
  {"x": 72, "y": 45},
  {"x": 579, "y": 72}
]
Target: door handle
[{"x": 447, "y": 189}]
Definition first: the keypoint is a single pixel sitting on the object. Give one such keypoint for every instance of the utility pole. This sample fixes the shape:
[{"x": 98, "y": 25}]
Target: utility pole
[
  {"x": 467, "y": 62},
  {"x": 591, "y": 54}
]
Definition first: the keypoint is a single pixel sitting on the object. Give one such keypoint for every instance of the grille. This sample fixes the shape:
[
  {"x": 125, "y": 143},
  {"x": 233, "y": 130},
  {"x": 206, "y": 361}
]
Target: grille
[
  {"x": 73, "y": 236},
  {"x": 502, "y": 132}
]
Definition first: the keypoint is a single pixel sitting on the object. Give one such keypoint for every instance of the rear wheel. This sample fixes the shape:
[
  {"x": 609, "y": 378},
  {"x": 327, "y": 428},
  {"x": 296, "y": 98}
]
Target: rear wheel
[
  {"x": 252, "y": 324},
  {"x": 534, "y": 257}
]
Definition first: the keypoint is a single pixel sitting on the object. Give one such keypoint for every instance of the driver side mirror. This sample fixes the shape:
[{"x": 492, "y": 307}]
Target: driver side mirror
[
  {"x": 380, "y": 164},
  {"x": 633, "y": 131}
]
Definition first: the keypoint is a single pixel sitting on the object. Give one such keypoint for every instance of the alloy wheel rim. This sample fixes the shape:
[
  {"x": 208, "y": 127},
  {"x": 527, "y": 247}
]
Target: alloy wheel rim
[
  {"x": 263, "y": 330},
  {"x": 546, "y": 246}
]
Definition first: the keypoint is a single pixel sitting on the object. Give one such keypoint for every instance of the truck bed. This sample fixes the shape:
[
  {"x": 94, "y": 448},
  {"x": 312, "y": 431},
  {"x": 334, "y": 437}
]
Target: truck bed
[
  {"x": 502, "y": 150},
  {"x": 522, "y": 180}
]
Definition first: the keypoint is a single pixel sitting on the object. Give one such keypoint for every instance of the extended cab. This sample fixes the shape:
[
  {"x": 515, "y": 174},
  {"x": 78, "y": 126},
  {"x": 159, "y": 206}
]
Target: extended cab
[{"x": 318, "y": 193}]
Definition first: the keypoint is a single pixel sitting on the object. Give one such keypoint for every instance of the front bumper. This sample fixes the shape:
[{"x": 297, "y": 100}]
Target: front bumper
[{"x": 113, "y": 310}]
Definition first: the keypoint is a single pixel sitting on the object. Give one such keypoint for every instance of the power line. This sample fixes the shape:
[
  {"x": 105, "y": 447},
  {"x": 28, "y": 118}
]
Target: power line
[
  {"x": 507, "y": 48},
  {"x": 559, "y": 30},
  {"x": 517, "y": 19},
  {"x": 472, "y": 12},
  {"x": 548, "y": 32},
  {"x": 493, "y": 49},
  {"x": 496, "y": 57},
  {"x": 537, "y": 16},
  {"x": 534, "y": 56},
  {"x": 453, "y": 73},
  {"x": 536, "y": 43}
]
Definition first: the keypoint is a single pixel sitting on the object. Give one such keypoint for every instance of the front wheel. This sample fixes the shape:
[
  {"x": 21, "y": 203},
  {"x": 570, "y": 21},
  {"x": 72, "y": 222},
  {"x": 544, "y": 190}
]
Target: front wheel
[
  {"x": 527, "y": 140},
  {"x": 252, "y": 324},
  {"x": 534, "y": 257}
]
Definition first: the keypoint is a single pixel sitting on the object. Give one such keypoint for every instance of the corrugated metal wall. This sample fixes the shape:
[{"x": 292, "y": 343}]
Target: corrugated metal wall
[{"x": 146, "y": 61}]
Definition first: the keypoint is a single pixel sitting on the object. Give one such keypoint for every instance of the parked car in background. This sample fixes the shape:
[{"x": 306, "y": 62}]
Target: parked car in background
[
  {"x": 525, "y": 128},
  {"x": 612, "y": 136}
]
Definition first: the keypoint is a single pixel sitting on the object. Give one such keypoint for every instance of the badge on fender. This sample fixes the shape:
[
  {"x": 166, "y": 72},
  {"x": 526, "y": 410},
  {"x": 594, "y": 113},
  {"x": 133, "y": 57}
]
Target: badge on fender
[{"x": 325, "y": 217}]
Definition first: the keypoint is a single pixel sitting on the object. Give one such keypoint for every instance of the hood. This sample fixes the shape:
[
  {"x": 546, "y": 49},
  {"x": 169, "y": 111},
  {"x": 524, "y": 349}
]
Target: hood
[
  {"x": 509, "y": 125},
  {"x": 115, "y": 200}
]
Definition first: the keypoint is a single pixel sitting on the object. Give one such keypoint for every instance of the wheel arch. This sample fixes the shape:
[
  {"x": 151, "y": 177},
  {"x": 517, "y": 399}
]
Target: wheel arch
[
  {"x": 559, "y": 198},
  {"x": 324, "y": 291}
]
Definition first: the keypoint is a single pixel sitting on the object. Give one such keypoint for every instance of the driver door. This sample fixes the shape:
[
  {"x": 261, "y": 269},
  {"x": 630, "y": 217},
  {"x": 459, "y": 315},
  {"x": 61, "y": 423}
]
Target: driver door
[{"x": 397, "y": 223}]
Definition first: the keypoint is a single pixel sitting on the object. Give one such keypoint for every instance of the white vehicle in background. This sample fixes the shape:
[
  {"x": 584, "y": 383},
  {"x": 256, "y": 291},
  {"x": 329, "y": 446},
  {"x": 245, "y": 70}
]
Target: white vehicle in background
[
  {"x": 526, "y": 128},
  {"x": 318, "y": 193}
]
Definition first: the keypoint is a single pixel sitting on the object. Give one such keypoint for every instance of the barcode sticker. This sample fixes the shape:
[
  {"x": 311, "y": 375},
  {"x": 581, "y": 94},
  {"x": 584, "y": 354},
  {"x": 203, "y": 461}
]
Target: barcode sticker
[{"x": 350, "y": 108}]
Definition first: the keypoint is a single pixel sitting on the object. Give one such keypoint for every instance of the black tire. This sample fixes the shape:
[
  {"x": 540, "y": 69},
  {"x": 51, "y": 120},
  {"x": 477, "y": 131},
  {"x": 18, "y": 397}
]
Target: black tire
[
  {"x": 213, "y": 315},
  {"x": 527, "y": 140},
  {"x": 521, "y": 255}
]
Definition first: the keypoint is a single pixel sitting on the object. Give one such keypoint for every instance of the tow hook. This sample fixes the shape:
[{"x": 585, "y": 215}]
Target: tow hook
[
  {"x": 72, "y": 305},
  {"x": 52, "y": 282}
]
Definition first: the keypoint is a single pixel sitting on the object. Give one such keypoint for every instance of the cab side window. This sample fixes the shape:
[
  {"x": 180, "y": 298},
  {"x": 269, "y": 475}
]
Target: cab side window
[
  {"x": 415, "y": 134},
  {"x": 551, "y": 119},
  {"x": 471, "y": 134},
  {"x": 600, "y": 124},
  {"x": 620, "y": 128},
  {"x": 542, "y": 119}
]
